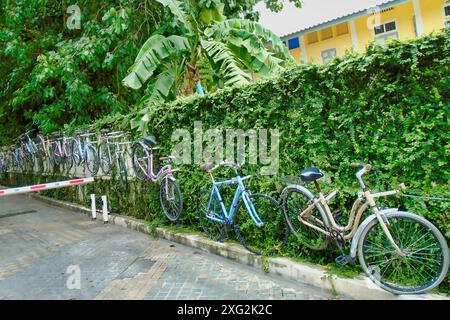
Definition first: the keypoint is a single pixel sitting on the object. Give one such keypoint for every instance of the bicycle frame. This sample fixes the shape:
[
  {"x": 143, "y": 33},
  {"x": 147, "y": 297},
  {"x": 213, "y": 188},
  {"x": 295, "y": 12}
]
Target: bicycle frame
[
  {"x": 360, "y": 206},
  {"x": 241, "y": 192},
  {"x": 365, "y": 200},
  {"x": 84, "y": 142},
  {"x": 166, "y": 170}
]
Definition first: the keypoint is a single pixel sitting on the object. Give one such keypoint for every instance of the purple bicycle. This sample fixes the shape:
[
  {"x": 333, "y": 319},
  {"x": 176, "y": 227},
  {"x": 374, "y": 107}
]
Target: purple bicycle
[{"x": 169, "y": 191}]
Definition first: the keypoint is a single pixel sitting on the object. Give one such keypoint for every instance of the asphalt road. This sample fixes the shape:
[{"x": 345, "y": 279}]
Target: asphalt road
[{"x": 52, "y": 253}]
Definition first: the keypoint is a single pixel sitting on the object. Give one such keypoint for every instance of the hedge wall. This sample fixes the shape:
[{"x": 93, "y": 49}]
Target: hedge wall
[{"x": 388, "y": 107}]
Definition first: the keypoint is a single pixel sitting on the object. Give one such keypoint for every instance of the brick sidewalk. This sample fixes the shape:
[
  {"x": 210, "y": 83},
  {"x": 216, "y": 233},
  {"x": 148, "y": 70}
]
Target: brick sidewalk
[{"x": 41, "y": 245}]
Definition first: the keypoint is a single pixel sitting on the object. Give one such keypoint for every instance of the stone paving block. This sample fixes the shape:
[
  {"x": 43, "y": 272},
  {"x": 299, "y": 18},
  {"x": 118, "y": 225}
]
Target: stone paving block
[{"x": 116, "y": 263}]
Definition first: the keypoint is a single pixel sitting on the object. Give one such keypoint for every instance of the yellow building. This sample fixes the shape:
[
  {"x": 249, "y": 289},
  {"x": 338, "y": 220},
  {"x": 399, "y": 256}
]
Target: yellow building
[{"x": 401, "y": 19}]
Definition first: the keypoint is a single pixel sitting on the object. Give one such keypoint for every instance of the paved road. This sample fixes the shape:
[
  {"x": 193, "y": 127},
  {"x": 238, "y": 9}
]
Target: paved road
[{"x": 52, "y": 253}]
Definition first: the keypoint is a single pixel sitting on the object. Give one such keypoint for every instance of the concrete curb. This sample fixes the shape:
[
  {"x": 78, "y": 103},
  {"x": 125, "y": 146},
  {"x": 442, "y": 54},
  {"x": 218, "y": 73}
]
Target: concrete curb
[{"x": 361, "y": 288}]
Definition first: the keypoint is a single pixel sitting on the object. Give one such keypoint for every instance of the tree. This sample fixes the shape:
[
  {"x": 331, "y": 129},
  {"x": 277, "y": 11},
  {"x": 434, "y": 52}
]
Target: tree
[{"x": 234, "y": 48}]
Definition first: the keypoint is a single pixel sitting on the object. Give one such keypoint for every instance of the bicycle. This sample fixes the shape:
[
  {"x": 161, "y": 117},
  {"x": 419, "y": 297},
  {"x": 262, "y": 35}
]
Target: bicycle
[
  {"x": 26, "y": 151},
  {"x": 143, "y": 165},
  {"x": 84, "y": 152},
  {"x": 61, "y": 150},
  {"x": 44, "y": 150},
  {"x": 4, "y": 160},
  {"x": 260, "y": 226},
  {"x": 401, "y": 252},
  {"x": 16, "y": 157},
  {"x": 110, "y": 152}
]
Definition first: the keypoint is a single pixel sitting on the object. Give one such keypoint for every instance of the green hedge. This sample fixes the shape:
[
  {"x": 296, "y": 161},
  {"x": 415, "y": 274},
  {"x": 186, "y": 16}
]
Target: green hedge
[{"x": 388, "y": 107}]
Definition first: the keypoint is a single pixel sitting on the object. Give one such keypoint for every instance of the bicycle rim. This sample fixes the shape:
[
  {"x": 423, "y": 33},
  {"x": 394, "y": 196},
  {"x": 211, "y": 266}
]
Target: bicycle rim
[
  {"x": 104, "y": 158},
  {"x": 295, "y": 201},
  {"x": 272, "y": 236},
  {"x": 170, "y": 198},
  {"x": 425, "y": 264},
  {"x": 91, "y": 159},
  {"x": 140, "y": 161}
]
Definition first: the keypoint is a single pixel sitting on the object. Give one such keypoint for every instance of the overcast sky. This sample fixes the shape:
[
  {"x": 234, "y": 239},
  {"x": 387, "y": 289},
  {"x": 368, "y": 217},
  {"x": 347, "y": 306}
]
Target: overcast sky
[{"x": 313, "y": 12}]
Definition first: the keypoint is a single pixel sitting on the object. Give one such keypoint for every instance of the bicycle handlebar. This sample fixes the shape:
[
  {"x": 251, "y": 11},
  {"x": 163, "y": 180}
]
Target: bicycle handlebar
[{"x": 209, "y": 167}]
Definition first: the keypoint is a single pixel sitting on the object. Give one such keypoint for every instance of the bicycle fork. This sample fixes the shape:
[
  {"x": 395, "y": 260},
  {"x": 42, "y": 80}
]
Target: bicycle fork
[
  {"x": 170, "y": 192},
  {"x": 383, "y": 222}
]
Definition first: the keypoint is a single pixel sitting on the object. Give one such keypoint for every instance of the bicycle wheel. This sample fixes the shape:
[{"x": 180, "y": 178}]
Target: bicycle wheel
[
  {"x": 56, "y": 155},
  {"x": 295, "y": 201},
  {"x": 170, "y": 198},
  {"x": 123, "y": 174},
  {"x": 140, "y": 161},
  {"x": 426, "y": 259},
  {"x": 91, "y": 160},
  {"x": 215, "y": 230},
  {"x": 105, "y": 157},
  {"x": 28, "y": 163},
  {"x": 268, "y": 239},
  {"x": 76, "y": 152},
  {"x": 68, "y": 159}
]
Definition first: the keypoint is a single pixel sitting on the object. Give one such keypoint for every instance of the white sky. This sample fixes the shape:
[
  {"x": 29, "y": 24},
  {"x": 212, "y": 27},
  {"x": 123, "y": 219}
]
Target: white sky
[{"x": 292, "y": 19}]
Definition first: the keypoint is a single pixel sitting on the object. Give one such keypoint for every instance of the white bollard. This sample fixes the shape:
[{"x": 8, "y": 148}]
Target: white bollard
[
  {"x": 93, "y": 207},
  {"x": 105, "y": 209}
]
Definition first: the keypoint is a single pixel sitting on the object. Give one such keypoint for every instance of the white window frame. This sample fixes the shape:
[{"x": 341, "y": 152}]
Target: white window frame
[
  {"x": 446, "y": 18},
  {"x": 389, "y": 33},
  {"x": 328, "y": 50}
]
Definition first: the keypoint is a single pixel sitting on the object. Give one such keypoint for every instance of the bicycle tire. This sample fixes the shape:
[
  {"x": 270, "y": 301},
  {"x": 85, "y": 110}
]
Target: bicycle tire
[
  {"x": 91, "y": 160},
  {"x": 272, "y": 236},
  {"x": 105, "y": 159},
  {"x": 68, "y": 159},
  {"x": 56, "y": 157},
  {"x": 168, "y": 189},
  {"x": 140, "y": 173},
  {"x": 215, "y": 230},
  {"x": 413, "y": 261},
  {"x": 76, "y": 152},
  {"x": 294, "y": 200}
]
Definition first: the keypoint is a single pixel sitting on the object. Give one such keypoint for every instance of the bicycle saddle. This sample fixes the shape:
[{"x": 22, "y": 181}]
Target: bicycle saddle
[
  {"x": 207, "y": 166},
  {"x": 150, "y": 140},
  {"x": 310, "y": 174}
]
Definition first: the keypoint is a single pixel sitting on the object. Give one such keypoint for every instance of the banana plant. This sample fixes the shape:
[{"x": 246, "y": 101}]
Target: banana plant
[{"x": 235, "y": 49}]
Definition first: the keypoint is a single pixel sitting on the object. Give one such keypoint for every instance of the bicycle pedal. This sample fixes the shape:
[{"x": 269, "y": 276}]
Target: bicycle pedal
[{"x": 344, "y": 260}]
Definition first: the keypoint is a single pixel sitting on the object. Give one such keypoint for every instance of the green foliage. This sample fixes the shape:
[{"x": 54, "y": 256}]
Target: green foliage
[
  {"x": 53, "y": 75},
  {"x": 232, "y": 46}
]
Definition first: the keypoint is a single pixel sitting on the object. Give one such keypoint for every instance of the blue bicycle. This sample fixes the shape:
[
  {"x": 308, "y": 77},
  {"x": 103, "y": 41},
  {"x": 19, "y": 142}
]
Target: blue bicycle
[{"x": 258, "y": 220}]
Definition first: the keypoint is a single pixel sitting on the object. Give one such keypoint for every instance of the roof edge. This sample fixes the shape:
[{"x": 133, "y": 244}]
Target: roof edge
[{"x": 344, "y": 18}]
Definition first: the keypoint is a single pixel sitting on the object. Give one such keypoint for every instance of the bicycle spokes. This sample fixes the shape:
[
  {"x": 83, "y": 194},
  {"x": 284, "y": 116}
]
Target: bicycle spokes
[{"x": 421, "y": 262}]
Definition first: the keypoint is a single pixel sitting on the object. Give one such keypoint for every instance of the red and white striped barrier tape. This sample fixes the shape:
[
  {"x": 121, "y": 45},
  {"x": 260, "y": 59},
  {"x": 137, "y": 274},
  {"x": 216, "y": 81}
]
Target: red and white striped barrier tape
[{"x": 45, "y": 186}]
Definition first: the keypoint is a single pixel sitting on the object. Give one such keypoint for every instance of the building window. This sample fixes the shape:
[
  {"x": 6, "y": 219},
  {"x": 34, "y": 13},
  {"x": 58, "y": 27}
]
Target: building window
[
  {"x": 328, "y": 55},
  {"x": 294, "y": 43},
  {"x": 386, "y": 31},
  {"x": 312, "y": 37},
  {"x": 326, "y": 33},
  {"x": 342, "y": 29},
  {"x": 447, "y": 15}
]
